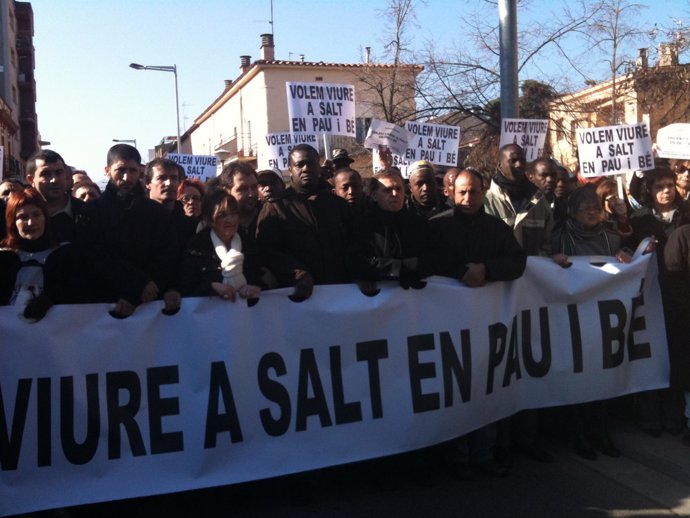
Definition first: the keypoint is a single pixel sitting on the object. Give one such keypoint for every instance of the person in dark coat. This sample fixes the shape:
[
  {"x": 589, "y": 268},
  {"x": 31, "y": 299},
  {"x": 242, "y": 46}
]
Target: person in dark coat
[
  {"x": 473, "y": 247},
  {"x": 304, "y": 233},
  {"x": 47, "y": 173},
  {"x": 217, "y": 262},
  {"x": 677, "y": 265},
  {"x": 132, "y": 239},
  {"x": 388, "y": 237}
]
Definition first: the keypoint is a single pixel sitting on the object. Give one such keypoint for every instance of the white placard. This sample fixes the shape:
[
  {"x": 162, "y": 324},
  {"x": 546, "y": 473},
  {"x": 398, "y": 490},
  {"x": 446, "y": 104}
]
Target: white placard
[
  {"x": 321, "y": 108},
  {"x": 612, "y": 150},
  {"x": 275, "y": 148},
  {"x": 673, "y": 141},
  {"x": 529, "y": 134},
  {"x": 201, "y": 167},
  {"x": 437, "y": 143},
  {"x": 382, "y": 133}
]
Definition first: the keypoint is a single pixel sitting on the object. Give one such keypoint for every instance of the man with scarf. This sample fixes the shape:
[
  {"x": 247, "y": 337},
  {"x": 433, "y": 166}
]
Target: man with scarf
[
  {"x": 303, "y": 233},
  {"x": 518, "y": 202}
]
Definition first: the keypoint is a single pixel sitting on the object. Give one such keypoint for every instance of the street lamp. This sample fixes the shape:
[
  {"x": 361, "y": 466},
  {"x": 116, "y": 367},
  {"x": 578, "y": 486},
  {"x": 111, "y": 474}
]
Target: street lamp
[
  {"x": 173, "y": 69},
  {"x": 126, "y": 141}
]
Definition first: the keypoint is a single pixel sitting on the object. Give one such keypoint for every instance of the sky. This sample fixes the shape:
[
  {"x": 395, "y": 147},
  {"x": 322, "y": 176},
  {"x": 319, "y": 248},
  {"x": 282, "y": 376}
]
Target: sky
[{"x": 87, "y": 95}]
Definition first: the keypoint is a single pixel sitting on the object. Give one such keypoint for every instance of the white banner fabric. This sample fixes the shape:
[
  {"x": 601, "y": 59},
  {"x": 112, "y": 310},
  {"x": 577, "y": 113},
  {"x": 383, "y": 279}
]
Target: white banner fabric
[
  {"x": 95, "y": 409},
  {"x": 673, "y": 141}
]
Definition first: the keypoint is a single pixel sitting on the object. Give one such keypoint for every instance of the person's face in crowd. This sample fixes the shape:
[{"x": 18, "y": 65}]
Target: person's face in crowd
[
  {"x": 50, "y": 180},
  {"x": 7, "y": 188},
  {"x": 269, "y": 186},
  {"x": 245, "y": 190},
  {"x": 304, "y": 171},
  {"x": 682, "y": 171},
  {"x": 588, "y": 214},
  {"x": 30, "y": 221},
  {"x": 468, "y": 193},
  {"x": 124, "y": 174},
  {"x": 80, "y": 177},
  {"x": 87, "y": 193},
  {"x": 448, "y": 181},
  {"x": 512, "y": 163},
  {"x": 225, "y": 223},
  {"x": 664, "y": 192},
  {"x": 348, "y": 186},
  {"x": 191, "y": 201},
  {"x": 163, "y": 185},
  {"x": 562, "y": 188},
  {"x": 545, "y": 178},
  {"x": 390, "y": 196},
  {"x": 423, "y": 187}
]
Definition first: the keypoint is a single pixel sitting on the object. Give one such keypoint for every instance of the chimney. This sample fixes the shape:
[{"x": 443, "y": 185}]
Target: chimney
[
  {"x": 228, "y": 83},
  {"x": 267, "y": 47},
  {"x": 668, "y": 55},
  {"x": 245, "y": 61},
  {"x": 367, "y": 60},
  {"x": 641, "y": 62}
]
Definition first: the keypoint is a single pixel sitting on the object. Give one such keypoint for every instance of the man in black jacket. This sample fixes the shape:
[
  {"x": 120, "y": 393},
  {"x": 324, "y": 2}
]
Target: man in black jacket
[
  {"x": 132, "y": 238},
  {"x": 47, "y": 173},
  {"x": 474, "y": 247},
  {"x": 304, "y": 232}
]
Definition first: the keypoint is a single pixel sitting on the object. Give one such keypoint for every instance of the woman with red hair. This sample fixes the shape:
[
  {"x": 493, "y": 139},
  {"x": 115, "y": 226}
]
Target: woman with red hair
[{"x": 35, "y": 271}]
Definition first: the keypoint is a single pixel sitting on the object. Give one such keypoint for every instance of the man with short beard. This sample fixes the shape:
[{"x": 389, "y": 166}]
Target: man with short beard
[
  {"x": 304, "y": 232},
  {"x": 241, "y": 181}
]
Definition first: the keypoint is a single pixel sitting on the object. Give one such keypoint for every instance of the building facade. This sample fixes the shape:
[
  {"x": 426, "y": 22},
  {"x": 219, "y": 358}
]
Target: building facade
[{"x": 255, "y": 103}]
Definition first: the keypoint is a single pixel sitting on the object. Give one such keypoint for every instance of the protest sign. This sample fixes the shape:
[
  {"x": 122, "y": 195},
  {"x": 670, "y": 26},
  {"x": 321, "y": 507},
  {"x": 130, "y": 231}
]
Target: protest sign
[
  {"x": 101, "y": 409},
  {"x": 529, "y": 134},
  {"x": 673, "y": 141},
  {"x": 321, "y": 108},
  {"x": 275, "y": 148},
  {"x": 382, "y": 133},
  {"x": 437, "y": 143},
  {"x": 611, "y": 150},
  {"x": 201, "y": 167}
]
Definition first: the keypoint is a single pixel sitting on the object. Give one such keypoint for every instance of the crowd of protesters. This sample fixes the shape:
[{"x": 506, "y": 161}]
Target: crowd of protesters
[{"x": 153, "y": 235}]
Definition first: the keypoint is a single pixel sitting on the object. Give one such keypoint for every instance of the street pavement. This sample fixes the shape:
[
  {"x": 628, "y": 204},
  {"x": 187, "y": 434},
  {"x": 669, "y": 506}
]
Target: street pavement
[{"x": 650, "y": 479}]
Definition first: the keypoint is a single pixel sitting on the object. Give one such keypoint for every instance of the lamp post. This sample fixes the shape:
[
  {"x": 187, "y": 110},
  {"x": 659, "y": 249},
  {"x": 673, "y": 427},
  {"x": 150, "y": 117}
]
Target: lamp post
[
  {"x": 173, "y": 69},
  {"x": 126, "y": 141}
]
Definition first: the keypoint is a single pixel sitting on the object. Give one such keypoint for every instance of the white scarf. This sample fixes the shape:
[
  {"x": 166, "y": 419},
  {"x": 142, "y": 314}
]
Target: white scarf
[{"x": 231, "y": 260}]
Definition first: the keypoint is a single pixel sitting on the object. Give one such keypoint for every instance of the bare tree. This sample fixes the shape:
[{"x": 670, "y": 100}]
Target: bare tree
[{"x": 390, "y": 90}]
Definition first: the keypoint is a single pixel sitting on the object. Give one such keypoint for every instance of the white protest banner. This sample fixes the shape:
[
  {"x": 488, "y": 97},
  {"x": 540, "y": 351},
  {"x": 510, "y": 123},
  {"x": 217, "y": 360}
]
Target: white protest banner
[
  {"x": 611, "y": 150},
  {"x": 382, "y": 133},
  {"x": 321, "y": 108},
  {"x": 529, "y": 134},
  {"x": 94, "y": 409},
  {"x": 274, "y": 148},
  {"x": 201, "y": 167},
  {"x": 673, "y": 141},
  {"x": 437, "y": 143}
]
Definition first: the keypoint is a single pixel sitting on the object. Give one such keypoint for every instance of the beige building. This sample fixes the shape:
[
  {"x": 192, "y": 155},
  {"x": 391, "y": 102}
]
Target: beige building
[
  {"x": 255, "y": 103},
  {"x": 657, "y": 95}
]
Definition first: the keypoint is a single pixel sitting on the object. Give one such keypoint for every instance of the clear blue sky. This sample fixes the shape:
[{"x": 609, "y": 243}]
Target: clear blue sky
[{"x": 87, "y": 95}]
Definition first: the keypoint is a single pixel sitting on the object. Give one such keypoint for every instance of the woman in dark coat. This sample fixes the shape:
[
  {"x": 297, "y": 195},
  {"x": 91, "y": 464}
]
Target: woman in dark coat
[
  {"x": 662, "y": 212},
  {"x": 35, "y": 271},
  {"x": 217, "y": 262},
  {"x": 584, "y": 233}
]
